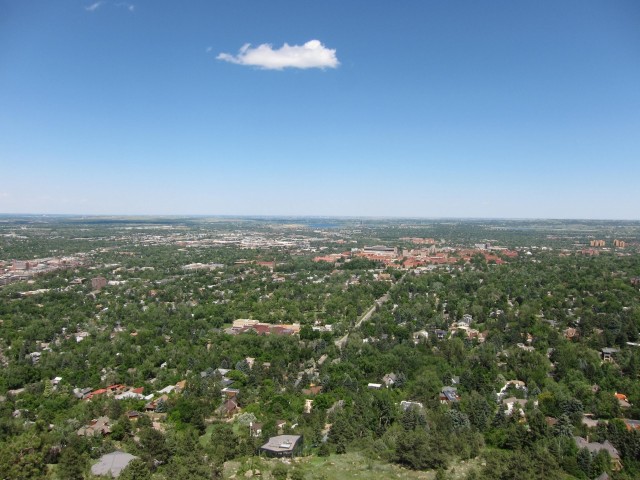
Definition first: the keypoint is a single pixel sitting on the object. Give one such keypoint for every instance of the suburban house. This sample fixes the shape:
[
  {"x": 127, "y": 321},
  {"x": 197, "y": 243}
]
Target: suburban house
[
  {"x": 449, "y": 395},
  {"x": 408, "y": 405},
  {"x": 389, "y": 379},
  {"x": 133, "y": 415},
  {"x": 112, "y": 464},
  {"x": 228, "y": 408},
  {"x": 178, "y": 387},
  {"x": 283, "y": 446},
  {"x": 255, "y": 429},
  {"x": 517, "y": 384},
  {"x": 608, "y": 353},
  {"x": 589, "y": 421},
  {"x": 133, "y": 393},
  {"x": 441, "y": 334},
  {"x": 465, "y": 320},
  {"x": 98, "y": 426},
  {"x": 595, "y": 447},
  {"x": 623, "y": 401},
  {"x": 513, "y": 404},
  {"x": 230, "y": 392},
  {"x": 419, "y": 336},
  {"x": 118, "y": 391},
  {"x": 152, "y": 406},
  {"x": 81, "y": 392}
]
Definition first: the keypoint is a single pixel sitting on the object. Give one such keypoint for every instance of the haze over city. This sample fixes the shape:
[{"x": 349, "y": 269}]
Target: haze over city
[{"x": 419, "y": 108}]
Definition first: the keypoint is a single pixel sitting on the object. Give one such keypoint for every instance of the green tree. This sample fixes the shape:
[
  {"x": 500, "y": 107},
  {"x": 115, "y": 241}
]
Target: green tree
[
  {"x": 584, "y": 461},
  {"x": 154, "y": 446},
  {"x": 22, "y": 458},
  {"x": 71, "y": 465},
  {"x": 478, "y": 410},
  {"x": 417, "y": 450},
  {"x": 563, "y": 428},
  {"x": 136, "y": 470}
]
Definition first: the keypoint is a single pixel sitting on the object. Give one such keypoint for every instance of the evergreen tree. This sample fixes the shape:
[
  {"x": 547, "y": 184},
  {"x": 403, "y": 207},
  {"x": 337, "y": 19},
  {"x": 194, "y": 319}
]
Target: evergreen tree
[
  {"x": 136, "y": 470},
  {"x": 71, "y": 465},
  {"x": 601, "y": 463},
  {"x": 584, "y": 461},
  {"x": 409, "y": 419},
  {"x": 478, "y": 410},
  {"x": 154, "y": 446},
  {"x": 417, "y": 450},
  {"x": 563, "y": 428},
  {"x": 341, "y": 431}
]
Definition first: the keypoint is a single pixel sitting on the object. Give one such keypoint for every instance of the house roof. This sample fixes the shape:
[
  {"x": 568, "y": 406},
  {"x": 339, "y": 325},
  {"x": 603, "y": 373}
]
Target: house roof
[
  {"x": 514, "y": 400},
  {"x": 312, "y": 390},
  {"x": 590, "y": 422},
  {"x": 112, "y": 463},
  {"x": 97, "y": 425},
  {"x": 256, "y": 427},
  {"x": 595, "y": 447},
  {"x": 228, "y": 406},
  {"x": 450, "y": 394},
  {"x": 281, "y": 443},
  {"x": 389, "y": 378},
  {"x": 407, "y": 404}
]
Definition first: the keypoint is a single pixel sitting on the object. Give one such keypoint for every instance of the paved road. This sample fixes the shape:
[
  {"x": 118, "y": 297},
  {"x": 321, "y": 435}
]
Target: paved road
[
  {"x": 341, "y": 342},
  {"x": 383, "y": 299}
]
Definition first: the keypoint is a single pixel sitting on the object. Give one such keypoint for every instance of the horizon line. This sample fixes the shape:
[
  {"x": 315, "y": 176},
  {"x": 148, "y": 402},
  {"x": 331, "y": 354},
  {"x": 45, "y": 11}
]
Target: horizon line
[{"x": 301, "y": 216}]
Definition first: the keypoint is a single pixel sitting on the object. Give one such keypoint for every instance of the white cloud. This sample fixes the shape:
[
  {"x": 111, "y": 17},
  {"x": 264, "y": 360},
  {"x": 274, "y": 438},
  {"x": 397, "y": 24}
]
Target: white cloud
[
  {"x": 209, "y": 49},
  {"x": 310, "y": 55},
  {"x": 94, "y": 6},
  {"x": 129, "y": 6}
]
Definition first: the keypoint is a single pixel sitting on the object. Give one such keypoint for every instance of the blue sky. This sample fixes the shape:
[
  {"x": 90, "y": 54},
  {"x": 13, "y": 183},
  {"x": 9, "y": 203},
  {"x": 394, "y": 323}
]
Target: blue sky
[{"x": 415, "y": 108}]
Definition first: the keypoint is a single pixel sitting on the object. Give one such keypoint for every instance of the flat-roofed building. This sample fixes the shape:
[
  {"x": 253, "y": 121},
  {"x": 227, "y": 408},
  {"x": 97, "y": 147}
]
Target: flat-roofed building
[
  {"x": 244, "y": 322},
  {"x": 381, "y": 250}
]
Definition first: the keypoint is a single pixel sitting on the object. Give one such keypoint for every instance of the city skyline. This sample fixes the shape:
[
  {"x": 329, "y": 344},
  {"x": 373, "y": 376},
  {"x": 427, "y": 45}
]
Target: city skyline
[{"x": 419, "y": 110}]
